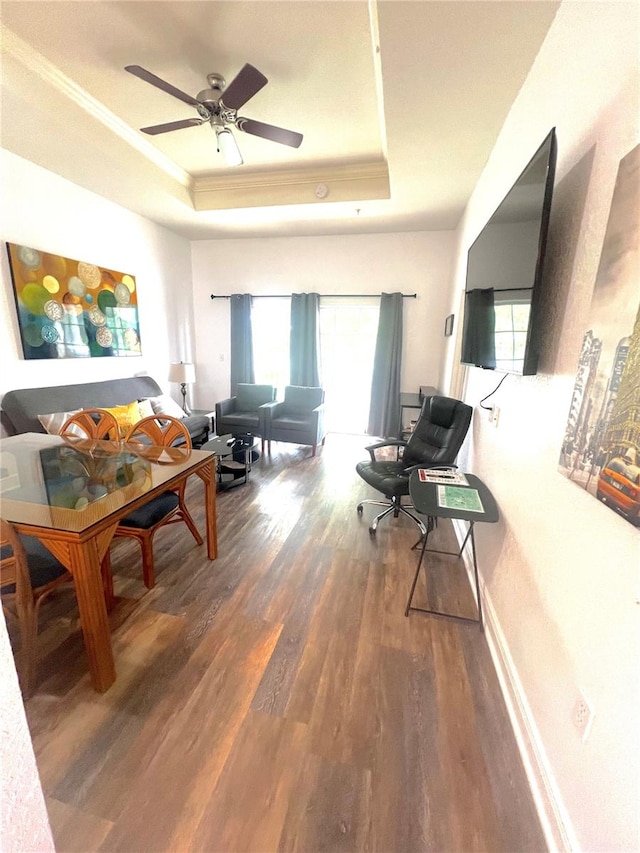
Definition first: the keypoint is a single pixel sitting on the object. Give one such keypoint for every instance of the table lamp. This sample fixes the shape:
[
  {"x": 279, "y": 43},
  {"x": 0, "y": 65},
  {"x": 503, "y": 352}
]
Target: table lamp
[{"x": 183, "y": 373}]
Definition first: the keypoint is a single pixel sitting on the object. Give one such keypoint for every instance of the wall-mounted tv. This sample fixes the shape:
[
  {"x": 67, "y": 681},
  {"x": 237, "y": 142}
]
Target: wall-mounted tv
[{"x": 504, "y": 269}]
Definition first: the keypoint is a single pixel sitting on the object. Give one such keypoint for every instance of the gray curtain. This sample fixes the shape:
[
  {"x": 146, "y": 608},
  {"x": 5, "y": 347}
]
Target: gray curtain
[
  {"x": 384, "y": 413},
  {"x": 479, "y": 338},
  {"x": 241, "y": 367},
  {"x": 304, "y": 343}
]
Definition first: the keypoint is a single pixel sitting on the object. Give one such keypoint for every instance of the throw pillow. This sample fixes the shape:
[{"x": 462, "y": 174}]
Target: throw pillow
[
  {"x": 54, "y": 422},
  {"x": 166, "y": 405},
  {"x": 146, "y": 409},
  {"x": 127, "y": 416}
]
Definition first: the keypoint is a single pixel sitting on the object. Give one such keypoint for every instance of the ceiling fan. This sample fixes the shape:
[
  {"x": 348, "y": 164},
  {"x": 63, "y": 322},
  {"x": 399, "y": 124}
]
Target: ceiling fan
[{"x": 218, "y": 105}]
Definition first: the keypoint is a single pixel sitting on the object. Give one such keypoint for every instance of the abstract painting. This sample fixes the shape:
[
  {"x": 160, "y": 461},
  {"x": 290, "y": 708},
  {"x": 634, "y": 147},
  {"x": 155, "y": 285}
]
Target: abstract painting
[
  {"x": 601, "y": 447},
  {"x": 72, "y": 309}
]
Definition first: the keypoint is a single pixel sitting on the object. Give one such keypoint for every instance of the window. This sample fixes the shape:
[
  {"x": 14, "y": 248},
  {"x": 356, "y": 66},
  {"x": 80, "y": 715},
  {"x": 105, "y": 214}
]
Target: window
[
  {"x": 512, "y": 321},
  {"x": 348, "y": 331},
  {"x": 271, "y": 322}
]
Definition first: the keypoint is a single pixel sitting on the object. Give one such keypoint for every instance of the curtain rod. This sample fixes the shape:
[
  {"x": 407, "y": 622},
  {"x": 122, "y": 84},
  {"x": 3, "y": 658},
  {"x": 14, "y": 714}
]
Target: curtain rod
[{"x": 326, "y": 295}]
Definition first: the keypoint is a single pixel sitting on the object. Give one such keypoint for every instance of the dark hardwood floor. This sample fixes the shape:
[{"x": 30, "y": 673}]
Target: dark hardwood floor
[{"x": 277, "y": 699}]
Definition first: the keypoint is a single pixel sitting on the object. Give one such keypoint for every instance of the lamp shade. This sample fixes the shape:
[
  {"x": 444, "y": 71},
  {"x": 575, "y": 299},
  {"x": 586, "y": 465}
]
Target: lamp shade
[{"x": 182, "y": 372}]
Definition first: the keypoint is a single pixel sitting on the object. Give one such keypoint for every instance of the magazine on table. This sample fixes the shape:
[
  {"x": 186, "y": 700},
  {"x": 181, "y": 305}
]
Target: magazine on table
[
  {"x": 457, "y": 497},
  {"x": 443, "y": 477}
]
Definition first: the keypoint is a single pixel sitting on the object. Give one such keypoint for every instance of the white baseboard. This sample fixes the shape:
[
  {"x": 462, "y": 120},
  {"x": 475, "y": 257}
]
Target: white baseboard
[{"x": 555, "y": 822}]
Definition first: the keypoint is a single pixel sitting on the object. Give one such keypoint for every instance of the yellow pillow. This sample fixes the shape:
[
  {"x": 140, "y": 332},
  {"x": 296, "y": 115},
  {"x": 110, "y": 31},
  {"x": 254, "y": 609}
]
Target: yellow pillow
[{"x": 127, "y": 416}]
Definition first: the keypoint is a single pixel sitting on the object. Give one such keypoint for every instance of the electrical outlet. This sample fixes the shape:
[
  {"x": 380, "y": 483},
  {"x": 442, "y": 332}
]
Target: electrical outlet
[
  {"x": 582, "y": 716},
  {"x": 221, "y": 356},
  {"x": 494, "y": 414}
]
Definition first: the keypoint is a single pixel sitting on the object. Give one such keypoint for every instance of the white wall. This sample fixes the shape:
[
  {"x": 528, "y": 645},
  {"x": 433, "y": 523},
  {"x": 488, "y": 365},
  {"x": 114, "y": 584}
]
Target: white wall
[
  {"x": 47, "y": 212},
  {"x": 24, "y": 824},
  {"x": 370, "y": 263},
  {"x": 561, "y": 571}
]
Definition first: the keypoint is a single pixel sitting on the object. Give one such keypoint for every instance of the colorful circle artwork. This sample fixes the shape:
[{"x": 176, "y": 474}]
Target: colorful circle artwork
[
  {"x": 54, "y": 310},
  {"x": 28, "y": 274},
  {"x": 106, "y": 300},
  {"x": 76, "y": 286},
  {"x": 51, "y": 284},
  {"x": 50, "y": 334},
  {"x": 54, "y": 265},
  {"x": 70, "y": 299},
  {"x": 104, "y": 337},
  {"x": 89, "y": 275},
  {"x": 34, "y": 297},
  {"x": 96, "y": 317},
  {"x": 122, "y": 294},
  {"x": 31, "y": 258},
  {"x": 31, "y": 335},
  {"x": 68, "y": 308},
  {"x": 131, "y": 338}
]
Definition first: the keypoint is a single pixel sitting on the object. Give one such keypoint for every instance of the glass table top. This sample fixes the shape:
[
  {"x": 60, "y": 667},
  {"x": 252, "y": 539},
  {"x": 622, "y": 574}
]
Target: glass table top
[{"x": 67, "y": 483}]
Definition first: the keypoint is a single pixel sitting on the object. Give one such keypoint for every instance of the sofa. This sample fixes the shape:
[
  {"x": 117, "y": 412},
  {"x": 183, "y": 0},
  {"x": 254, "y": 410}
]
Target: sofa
[{"x": 20, "y": 408}]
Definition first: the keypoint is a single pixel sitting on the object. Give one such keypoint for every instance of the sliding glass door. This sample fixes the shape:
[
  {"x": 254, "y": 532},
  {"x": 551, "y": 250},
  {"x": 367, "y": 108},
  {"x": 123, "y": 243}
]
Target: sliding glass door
[
  {"x": 348, "y": 329},
  {"x": 271, "y": 320}
]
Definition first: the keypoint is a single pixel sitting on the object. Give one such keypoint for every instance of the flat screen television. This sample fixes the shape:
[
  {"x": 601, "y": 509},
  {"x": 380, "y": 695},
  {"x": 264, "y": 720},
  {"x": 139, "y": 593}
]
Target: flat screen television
[{"x": 504, "y": 270}]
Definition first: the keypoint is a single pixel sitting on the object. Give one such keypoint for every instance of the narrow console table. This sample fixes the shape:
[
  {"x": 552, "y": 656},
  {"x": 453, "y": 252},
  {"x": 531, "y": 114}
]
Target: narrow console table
[
  {"x": 409, "y": 400},
  {"x": 424, "y": 496}
]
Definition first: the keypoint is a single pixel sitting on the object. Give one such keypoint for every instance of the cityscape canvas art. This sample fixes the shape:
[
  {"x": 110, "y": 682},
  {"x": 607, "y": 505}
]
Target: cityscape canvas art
[
  {"x": 601, "y": 447},
  {"x": 72, "y": 309}
]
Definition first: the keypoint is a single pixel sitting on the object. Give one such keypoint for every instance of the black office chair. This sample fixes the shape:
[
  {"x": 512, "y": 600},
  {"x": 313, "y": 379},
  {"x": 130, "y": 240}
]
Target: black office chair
[{"x": 434, "y": 443}]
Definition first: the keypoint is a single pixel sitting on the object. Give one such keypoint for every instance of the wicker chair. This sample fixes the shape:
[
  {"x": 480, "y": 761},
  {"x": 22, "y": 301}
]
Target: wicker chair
[
  {"x": 28, "y": 574},
  {"x": 168, "y": 507},
  {"x": 91, "y": 423}
]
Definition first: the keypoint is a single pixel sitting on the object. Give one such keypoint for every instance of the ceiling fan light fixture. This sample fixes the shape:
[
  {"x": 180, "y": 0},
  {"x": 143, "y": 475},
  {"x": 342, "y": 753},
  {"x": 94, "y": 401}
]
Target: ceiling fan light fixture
[{"x": 228, "y": 146}]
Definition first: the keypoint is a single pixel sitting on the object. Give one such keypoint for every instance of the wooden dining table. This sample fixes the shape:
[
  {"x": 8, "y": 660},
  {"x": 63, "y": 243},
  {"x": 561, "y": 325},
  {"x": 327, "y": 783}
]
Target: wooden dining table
[{"x": 71, "y": 493}]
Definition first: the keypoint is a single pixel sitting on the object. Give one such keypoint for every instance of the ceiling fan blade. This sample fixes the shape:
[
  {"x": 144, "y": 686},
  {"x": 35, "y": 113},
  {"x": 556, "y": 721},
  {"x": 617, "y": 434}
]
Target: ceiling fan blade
[
  {"x": 247, "y": 82},
  {"x": 148, "y": 77},
  {"x": 270, "y": 131},
  {"x": 172, "y": 125}
]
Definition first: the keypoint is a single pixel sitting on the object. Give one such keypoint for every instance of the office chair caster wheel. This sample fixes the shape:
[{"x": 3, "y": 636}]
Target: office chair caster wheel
[
  {"x": 359, "y": 509},
  {"x": 372, "y": 531}
]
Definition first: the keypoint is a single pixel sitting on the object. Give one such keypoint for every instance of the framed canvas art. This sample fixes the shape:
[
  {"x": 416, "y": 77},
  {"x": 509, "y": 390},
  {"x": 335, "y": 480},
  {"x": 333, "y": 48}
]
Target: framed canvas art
[
  {"x": 601, "y": 447},
  {"x": 72, "y": 309},
  {"x": 448, "y": 326}
]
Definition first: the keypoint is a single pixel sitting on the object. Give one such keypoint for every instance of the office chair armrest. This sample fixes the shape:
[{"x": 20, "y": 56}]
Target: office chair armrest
[{"x": 389, "y": 443}]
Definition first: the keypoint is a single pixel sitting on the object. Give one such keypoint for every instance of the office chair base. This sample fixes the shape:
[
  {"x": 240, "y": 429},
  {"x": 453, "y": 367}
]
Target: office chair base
[{"x": 394, "y": 508}]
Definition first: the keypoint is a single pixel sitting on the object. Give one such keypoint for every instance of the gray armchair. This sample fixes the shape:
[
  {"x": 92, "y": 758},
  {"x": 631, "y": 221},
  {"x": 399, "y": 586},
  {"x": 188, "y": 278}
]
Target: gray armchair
[
  {"x": 245, "y": 412},
  {"x": 298, "y": 419}
]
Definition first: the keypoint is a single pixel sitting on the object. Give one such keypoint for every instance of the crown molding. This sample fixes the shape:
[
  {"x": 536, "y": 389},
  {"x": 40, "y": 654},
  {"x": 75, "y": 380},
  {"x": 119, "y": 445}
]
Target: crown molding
[
  {"x": 39, "y": 65},
  {"x": 228, "y": 189},
  {"x": 344, "y": 182}
]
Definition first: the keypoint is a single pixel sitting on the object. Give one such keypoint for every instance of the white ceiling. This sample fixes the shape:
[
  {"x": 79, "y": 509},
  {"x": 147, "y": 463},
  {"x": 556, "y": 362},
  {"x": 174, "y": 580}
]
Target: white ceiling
[{"x": 406, "y": 97}]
